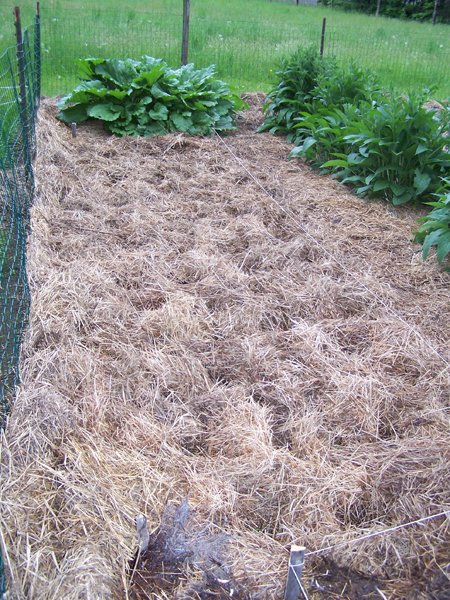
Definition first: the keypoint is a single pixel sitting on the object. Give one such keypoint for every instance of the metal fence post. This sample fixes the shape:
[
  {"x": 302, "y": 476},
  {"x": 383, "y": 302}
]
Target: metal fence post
[
  {"x": 21, "y": 64},
  {"x": 322, "y": 37},
  {"x": 24, "y": 117},
  {"x": 293, "y": 585}
]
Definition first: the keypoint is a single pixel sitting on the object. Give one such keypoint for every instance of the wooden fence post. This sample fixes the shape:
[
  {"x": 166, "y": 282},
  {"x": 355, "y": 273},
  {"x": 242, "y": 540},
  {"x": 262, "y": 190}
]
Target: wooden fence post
[{"x": 185, "y": 39}]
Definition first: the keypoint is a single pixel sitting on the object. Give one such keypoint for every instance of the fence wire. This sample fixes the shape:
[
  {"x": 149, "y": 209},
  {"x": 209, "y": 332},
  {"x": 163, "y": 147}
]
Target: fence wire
[
  {"x": 247, "y": 52},
  {"x": 19, "y": 99}
]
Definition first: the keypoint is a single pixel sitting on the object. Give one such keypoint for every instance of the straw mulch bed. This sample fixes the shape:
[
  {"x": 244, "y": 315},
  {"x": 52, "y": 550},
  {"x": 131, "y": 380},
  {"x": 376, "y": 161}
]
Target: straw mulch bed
[{"x": 189, "y": 341}]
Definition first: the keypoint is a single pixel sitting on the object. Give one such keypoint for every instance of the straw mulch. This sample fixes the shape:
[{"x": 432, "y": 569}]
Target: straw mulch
[{"x": 189, "y": 341}]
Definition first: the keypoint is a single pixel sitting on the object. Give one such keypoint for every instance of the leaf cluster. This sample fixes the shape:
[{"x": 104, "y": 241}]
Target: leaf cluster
[
  {"x": 435, "y": 228},
  {"x": 392, "y": 148},
  {"x": 297, "y": 79},
  {"x": 308, "y": 83},
  {"x": 147, "y": 97}
]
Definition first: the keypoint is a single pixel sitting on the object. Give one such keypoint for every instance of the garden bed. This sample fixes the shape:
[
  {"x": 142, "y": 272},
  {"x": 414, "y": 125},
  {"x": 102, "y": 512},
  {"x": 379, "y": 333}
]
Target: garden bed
[{"x": 275, "y": 357}]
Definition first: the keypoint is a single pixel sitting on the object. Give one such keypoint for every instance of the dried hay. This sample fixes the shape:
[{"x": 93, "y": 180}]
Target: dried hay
[{"x": 188, "y": 339}]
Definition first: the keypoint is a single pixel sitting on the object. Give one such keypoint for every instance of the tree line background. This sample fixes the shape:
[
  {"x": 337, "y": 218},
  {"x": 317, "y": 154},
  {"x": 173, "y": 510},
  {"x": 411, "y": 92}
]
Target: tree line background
[{"x": 420, "y": 10}]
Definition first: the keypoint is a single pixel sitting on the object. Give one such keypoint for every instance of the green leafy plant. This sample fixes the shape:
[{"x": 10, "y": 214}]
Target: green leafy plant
[
  {"x": 341, "y": 121},
  {"x": 338, "y": 86},
  {"x": 308, "y": 83},
  {"x": 435, "y": 228},
  {"x": 294, "y": 92},
  {"x": 320, "y": 135},
  {"x": 147, "y": 98},
  {"x": 393, "y": 150}
]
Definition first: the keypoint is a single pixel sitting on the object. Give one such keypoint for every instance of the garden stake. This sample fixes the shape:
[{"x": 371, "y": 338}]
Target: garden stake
[{"x": 293, "y": 585}]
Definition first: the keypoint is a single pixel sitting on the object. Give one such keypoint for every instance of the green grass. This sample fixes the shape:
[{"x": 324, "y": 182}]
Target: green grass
[{"x": 245, "y": 39}]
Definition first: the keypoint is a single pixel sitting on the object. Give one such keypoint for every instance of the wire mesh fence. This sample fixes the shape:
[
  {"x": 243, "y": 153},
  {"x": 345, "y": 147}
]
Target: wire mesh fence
[
  {"x": 19, "y": 98},
  {"x": 406, "y": 62},
  {"x": 246, "y": 52}
]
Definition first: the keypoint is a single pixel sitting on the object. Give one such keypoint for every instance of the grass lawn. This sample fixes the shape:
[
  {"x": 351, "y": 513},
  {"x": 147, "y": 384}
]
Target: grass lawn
[{"x": 245, "y": 40}]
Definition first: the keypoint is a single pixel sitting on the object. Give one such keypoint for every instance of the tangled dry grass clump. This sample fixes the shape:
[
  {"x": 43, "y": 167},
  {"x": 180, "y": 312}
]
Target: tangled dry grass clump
[{"x": 188, "y": 340}]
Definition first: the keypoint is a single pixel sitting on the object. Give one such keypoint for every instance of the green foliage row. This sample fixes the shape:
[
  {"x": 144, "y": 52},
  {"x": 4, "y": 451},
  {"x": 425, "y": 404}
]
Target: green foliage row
[
  {"x": 147, "y": 98},
  {"x": 339, "y": 119}
]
